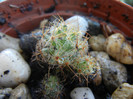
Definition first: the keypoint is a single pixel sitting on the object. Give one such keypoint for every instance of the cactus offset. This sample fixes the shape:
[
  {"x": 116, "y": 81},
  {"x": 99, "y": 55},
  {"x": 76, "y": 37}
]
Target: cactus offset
[
  {"x": 52, "y": 87},
  {"x": 86, "y": 67}
]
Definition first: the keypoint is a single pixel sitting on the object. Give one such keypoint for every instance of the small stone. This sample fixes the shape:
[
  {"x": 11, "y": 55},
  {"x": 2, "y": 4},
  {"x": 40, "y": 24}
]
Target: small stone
[
  {"x": 5, "y": 92},
  {"x": 113, "y": 73},
  {"x": 9, "y": 42},
  {"x": 20, "y": 92},
  {"x": 97, "y": 42},
  {"x": 14, "y": 69},
  {"x": 94, "y": 53},
  {"x": 103, "y": 55},
  {"x": 27, "y": 43},
  {"x": 78, "y": 23},
  {"x": 82, "y": 93},
  {"x": 119, "y": 49},
  {"x": 2, "y": 96},
  {"x": 124, "y": 91},
  {"x": 94, "y": 27},
  {"x": 100, "y": 55}
]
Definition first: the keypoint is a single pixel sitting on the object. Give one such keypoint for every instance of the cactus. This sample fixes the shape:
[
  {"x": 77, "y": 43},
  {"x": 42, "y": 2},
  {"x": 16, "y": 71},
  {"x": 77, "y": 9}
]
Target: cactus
[
  {"x": 86, "y": 65},
  {"x": 52, "y": 87},
  {"x": 61, "y": 46},
  {"x": 86, "y": 69}
]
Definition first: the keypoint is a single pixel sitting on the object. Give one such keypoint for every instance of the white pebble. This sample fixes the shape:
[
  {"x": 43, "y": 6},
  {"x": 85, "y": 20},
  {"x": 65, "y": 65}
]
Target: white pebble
[
  {"x": 82, "y": 93},
  {"x": 20, "y": 92},
  {"x": 79, "y": 23},
  {"x": 13, "y": 68},
  {"x": 5, "y": 92},
  {"x": 2, "y": 96},
  {"x": 9, "y": 42}
]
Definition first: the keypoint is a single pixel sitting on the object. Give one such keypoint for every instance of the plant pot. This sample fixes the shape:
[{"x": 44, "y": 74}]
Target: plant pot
[{"x": 25, "y": 15}]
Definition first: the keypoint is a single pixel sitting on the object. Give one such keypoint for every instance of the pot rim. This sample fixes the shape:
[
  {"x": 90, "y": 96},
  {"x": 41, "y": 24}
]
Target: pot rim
[{"x": 25, "y": 15}]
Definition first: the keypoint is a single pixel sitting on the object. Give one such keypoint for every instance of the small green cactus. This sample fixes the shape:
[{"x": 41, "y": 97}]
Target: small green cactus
[
  {"x": 61, "y": 45},
  {"x": 85, "y": 70},
  {"x": 86, "y": 65},
  {"x": 65, "y": 47},
  {"x": 52, "y": 87}
]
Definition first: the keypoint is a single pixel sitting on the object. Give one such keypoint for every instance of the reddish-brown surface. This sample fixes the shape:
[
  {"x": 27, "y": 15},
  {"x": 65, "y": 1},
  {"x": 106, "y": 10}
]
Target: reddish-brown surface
[{"x": 16, "y": 13}]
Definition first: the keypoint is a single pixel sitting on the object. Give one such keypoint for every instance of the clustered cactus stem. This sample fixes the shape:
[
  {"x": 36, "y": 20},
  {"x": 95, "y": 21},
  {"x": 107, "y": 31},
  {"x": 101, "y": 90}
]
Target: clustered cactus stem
[{"x": 65, "y": 46}]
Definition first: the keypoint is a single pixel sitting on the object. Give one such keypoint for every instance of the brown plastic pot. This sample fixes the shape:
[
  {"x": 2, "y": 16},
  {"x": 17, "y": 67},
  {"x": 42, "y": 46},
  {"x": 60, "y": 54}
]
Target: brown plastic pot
[{"x": 25, "y": 15}]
